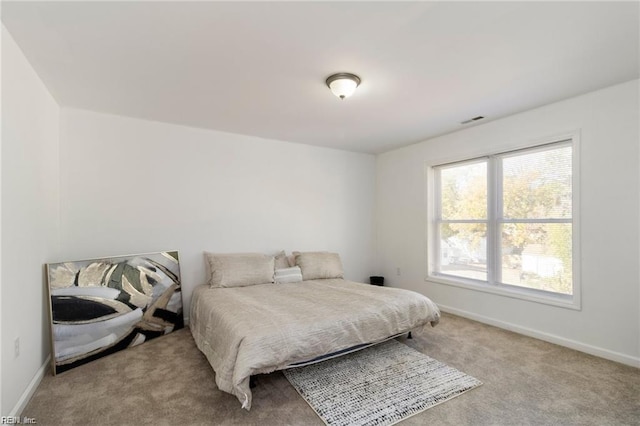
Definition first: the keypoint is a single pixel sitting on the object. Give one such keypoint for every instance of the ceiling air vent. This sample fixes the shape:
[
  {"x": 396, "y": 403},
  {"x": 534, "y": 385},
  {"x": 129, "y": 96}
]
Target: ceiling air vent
[{"x": 471, "y": 120}]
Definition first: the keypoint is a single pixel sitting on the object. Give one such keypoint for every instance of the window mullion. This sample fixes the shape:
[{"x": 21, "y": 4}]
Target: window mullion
[
  {"x": 524, "y": 220},
  {"x": 494, "y": 209},
  {"x": 463, "y": 221}
]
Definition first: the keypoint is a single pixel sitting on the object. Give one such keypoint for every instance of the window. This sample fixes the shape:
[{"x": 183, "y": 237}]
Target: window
[{"x": 505, "y": 223}]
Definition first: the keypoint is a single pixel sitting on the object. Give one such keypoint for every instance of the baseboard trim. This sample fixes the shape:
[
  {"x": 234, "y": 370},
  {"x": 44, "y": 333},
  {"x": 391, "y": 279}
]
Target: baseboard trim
[
  {"x": 31, "y": 389},
  {"x": 552, "y": 338}
]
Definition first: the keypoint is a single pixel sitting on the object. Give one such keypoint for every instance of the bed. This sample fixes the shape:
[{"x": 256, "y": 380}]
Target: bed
[{"x": 260, "y": 328}]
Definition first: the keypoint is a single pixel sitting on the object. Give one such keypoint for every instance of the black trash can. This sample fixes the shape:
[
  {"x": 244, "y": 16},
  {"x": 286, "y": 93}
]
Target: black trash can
[{"x": 376, "y": 280}]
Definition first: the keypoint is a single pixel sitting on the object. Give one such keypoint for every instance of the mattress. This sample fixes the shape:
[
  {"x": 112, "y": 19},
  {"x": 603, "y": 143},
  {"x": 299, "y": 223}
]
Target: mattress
[{"x": 258, "y": 329}]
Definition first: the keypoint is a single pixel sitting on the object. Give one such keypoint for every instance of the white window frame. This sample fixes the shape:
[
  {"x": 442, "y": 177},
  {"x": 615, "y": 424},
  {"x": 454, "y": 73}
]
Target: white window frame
[{"x": 572, "y": 301}]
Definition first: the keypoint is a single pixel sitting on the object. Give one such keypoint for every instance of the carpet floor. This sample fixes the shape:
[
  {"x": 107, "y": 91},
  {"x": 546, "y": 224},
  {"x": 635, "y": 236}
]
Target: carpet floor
[{"x": 167, "y": 381}]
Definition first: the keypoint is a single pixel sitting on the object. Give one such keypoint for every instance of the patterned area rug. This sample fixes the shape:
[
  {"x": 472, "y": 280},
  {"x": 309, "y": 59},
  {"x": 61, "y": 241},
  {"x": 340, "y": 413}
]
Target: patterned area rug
[{"x": 380, "y": 385}]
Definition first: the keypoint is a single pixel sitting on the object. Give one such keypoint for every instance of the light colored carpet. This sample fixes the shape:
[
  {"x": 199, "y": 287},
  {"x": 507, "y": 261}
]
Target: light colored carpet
[
  {"x": 167, "y": 381},
  {"x": 377, "y": 386}
]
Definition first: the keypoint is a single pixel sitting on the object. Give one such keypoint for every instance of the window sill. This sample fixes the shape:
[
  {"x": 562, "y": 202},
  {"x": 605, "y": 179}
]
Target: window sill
[{"x": 531, "y": 295}]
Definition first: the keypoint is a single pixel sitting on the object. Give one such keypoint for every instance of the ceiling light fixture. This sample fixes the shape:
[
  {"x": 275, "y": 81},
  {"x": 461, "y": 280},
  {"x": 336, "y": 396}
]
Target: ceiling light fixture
[{"x": 343, "y": 84}]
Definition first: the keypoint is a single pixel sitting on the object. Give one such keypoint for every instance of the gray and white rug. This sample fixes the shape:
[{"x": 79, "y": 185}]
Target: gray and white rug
[{"x": 380, "y": 385}]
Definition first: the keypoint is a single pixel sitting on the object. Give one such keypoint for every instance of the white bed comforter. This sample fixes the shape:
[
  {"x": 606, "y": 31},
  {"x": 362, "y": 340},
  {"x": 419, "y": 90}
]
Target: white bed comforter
[{"x": 262, "y": 328}]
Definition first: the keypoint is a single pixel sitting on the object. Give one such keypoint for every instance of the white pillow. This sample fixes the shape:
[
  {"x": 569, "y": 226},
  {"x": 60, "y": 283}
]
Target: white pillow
[
  {"x": 239, "y": 269},
  {"x": 319, "y": 265},
  {"x": 288, "y": 275}
]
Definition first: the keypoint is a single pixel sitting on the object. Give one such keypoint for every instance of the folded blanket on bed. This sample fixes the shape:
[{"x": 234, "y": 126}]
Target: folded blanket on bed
[{"x": 288, "y": 275}]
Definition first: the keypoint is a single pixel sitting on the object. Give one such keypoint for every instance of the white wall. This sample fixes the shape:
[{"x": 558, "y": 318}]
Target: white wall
[
  {"x": 30, "y": 195},
  {"x": 609, "y": 322},
  {"x": 130, "y": 185}
]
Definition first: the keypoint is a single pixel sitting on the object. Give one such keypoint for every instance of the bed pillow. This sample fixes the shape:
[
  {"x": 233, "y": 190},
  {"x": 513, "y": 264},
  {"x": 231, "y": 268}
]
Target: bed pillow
[
  {"x": 288, "y": 275},
  {"x": 240, "y": 269},
  {"x": 319, "y": 265},
  {"x": 281, "y": 260}
]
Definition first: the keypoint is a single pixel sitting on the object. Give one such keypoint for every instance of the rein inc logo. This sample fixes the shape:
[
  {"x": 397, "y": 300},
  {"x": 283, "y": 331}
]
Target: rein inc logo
[{"x": 16, "y": 420}]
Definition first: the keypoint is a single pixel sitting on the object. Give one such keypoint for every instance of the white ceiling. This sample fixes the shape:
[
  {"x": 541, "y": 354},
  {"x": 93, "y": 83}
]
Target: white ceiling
[{"x": 259, "y": 68}]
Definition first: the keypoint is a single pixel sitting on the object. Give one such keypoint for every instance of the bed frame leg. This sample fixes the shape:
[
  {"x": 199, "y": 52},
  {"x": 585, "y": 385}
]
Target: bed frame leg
[
  {"x": 252, "y": 382},
  {"x": 409, "y": 336}
]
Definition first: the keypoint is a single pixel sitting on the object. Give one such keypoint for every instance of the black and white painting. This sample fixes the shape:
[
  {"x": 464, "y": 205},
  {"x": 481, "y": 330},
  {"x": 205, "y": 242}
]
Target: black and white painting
[{"x": 101, "y": 306}]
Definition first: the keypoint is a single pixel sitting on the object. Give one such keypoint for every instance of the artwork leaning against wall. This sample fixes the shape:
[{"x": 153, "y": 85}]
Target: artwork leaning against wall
[{"x": 102, "y": 306}]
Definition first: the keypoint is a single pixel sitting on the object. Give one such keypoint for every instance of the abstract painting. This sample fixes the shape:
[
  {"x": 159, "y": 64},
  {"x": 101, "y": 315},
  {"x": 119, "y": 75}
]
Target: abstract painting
[{"x": 102, "y": 306}]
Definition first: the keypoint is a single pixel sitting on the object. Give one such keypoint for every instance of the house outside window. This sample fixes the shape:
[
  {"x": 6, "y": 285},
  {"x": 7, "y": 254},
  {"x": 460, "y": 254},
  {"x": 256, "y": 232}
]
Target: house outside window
[{"x": 507, "y": 223}]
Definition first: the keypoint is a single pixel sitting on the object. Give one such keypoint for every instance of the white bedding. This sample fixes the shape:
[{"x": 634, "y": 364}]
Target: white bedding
[{"x": 262, "y": 328}]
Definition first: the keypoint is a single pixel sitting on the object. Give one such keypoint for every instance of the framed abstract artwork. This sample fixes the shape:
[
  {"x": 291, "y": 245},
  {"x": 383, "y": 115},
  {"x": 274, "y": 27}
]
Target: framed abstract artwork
[{"x": 102, "y": 306}]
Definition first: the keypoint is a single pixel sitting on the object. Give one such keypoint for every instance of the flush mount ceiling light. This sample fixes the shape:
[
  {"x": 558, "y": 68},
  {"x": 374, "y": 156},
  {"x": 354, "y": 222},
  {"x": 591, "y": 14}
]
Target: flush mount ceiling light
[{"x": 343, "y": 84}]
